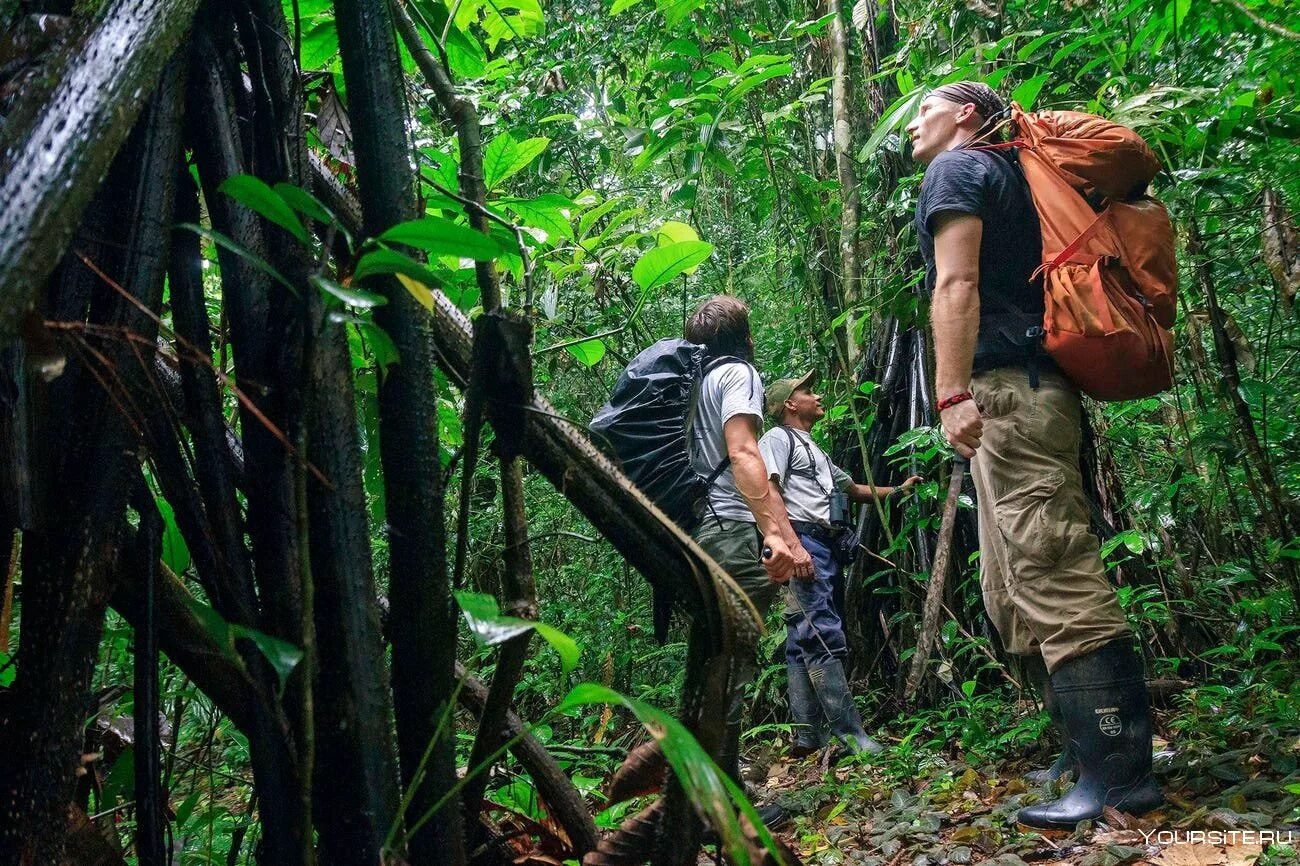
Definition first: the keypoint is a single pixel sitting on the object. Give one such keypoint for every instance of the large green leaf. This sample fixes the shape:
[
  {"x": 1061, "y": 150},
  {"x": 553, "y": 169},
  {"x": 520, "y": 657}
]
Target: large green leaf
[
  {"x": 677, "y": 11},
  {"x": 1027, "y": 92},
  {"x": 304, "y": 202},
  {"x": 441, "y": 237},
  {"x": 385, "y": 261},
  {"x": 491, "y": 627},
  {"x": 505, "y": 157},
  {"x": 675, "y": 232},
  {"x": 349, "y": 295},
  {"x": 659, "y": 265},
  {"x": 550, "y": 213},
  {"x": 320, "y": 44},
  {"x": 282, "y": 655},
  {"x": 588, "y": 352},
  {"x": 254, "y": 194},
  {"x": 715, "y": 796},
  {"x": 497, "y": 157}
]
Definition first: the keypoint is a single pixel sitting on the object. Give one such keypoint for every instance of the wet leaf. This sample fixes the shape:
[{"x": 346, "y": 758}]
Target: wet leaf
[
  {"x": 175, "y": 554},
  {"x": 440, "y": 236},
  {"x": 282, "y": 655},
  {"x": 713, "y": 794},
  {"x": 491, "y": 627},
  {"x": 588, "y": 352},
  {"x": 254, "y": 194}
]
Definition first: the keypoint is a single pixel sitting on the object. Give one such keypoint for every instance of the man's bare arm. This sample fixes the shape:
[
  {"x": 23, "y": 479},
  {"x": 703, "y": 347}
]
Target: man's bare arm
[
  {"x": 763, "y": 498},
  {"x": 955, "y": 318}
]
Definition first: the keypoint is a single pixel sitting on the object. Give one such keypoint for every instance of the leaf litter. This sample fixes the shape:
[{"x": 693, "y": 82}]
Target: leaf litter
[{"x": 949, "y": 809}]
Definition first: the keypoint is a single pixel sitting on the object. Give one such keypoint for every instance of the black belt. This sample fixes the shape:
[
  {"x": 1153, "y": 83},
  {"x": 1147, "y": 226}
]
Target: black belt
[{"x": 815, "y": 531}]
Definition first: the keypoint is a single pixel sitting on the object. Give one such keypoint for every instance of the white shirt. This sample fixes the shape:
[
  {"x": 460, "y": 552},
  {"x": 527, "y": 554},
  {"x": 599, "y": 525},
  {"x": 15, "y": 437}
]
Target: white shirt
[
  {"x": 811, "y": 478},
  {"x": 728, "y": 390}
]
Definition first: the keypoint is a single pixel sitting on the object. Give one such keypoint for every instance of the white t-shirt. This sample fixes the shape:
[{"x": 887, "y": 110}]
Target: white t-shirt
[
  {"x": 728, "y": 390},
  {"x": 812, "y": 475}
]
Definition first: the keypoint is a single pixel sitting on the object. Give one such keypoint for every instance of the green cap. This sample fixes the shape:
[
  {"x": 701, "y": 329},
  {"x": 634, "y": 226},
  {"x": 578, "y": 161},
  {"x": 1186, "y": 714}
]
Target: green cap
[{"x": 780, "y": 390}]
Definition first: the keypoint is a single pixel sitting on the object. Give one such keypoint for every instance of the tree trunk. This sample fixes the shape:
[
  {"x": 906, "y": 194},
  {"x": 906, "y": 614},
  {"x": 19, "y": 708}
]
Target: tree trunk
[
  {"x": 1280, "y": 514},
  {"x": 422, "y": 624},
  {"x": 72, "y": 564},
  {"x": 58, "y": 142},
  {"x": 842, "y": 108},
  {"x": 272, "y": 524}
]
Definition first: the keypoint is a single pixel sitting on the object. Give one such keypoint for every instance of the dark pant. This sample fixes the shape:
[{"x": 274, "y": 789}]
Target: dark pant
[{"x": 814, "y": 634}]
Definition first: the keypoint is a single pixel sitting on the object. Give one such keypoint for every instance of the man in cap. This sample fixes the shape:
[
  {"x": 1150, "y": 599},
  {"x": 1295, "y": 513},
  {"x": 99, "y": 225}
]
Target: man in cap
[
  {"x": 814, "y": 490},
  {"x": 1008, "y": 409}
]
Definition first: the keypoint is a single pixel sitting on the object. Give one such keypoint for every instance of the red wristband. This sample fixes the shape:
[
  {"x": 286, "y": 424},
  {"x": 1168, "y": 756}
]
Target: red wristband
[{"x": 948, "y": 402}]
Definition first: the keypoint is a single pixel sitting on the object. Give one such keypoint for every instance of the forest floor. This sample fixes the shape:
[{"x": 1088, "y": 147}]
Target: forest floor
[{"x": 950, "y": 811}]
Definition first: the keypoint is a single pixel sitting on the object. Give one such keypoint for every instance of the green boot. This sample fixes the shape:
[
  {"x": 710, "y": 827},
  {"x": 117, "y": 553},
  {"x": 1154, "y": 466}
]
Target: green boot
[
  {"x": 832, "y": 689},
  {"x": 805, "y": 713}
]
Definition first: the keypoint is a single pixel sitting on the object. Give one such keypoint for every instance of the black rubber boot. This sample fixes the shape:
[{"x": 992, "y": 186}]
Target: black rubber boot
[
  {"x": 832, "y": 689},
  {"x": 1065, "y": 762},
  {"x": 805, "y": 713},
  {"x": 1103, "y": 700}
]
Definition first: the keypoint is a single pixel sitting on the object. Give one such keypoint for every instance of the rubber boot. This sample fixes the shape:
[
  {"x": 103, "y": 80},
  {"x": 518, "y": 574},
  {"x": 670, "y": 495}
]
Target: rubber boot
[
  {"x": 1065, "y": 762},
  {"x": 845, "y": 724},
  {"x": 1103, "y": 700},
  {"x": 805, "y": 713}
]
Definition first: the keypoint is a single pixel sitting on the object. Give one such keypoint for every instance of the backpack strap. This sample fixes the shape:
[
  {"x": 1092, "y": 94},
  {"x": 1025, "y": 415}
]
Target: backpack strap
[{"x": 812, "y": 460}]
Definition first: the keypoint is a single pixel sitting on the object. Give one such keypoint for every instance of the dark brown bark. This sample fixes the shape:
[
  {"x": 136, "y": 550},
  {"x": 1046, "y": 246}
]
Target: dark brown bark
[
  {"x": 72, "y": 563},
  {"x": 356, "y": 794},
  {"x": 58, "y": 142},
  {"x": 230, "y": 586},
  {"x": 266, "y": 370},
  {"x": 422, "y": 625},
  {"x": 266, "y": 332}
]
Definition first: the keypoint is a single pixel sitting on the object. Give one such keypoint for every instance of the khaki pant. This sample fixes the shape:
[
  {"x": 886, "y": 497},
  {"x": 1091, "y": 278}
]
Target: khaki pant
[{"x": 1044, "y": 585}]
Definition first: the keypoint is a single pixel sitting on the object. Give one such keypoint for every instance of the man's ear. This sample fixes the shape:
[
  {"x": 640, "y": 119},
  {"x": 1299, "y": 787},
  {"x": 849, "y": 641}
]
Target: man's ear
[{"x": 964, "y": 113}]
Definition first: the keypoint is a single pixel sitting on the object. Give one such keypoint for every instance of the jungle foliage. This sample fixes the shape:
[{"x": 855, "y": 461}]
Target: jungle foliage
[{"x": 303, "y": 309}]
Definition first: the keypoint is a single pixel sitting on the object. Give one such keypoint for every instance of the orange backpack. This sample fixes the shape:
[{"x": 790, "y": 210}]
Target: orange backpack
[{"x": 1110, "y": 280}]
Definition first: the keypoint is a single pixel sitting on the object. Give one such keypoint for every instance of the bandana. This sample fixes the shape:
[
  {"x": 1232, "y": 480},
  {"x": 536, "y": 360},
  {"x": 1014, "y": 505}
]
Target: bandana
[{"x": 987, "y": 103}]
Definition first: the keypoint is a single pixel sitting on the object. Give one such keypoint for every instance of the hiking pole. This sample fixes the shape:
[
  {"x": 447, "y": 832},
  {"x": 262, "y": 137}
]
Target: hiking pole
[{"x": 938, "y": 577}]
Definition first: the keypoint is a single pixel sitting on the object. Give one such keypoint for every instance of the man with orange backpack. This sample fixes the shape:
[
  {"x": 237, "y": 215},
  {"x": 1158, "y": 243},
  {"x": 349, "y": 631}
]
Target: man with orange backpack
[{"x": 1006, "y": 406}]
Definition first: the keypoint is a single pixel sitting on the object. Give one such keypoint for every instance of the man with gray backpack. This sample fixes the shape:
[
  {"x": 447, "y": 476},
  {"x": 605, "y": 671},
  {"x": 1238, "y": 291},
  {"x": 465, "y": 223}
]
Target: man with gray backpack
[
  {"x": 815, "y": 492},
  {"x": 683, "y": 421}
]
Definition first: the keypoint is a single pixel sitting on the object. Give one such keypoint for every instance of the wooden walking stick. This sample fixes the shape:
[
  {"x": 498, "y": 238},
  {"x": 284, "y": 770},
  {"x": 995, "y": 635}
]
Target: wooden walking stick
[{"x": 938, "y": 577}]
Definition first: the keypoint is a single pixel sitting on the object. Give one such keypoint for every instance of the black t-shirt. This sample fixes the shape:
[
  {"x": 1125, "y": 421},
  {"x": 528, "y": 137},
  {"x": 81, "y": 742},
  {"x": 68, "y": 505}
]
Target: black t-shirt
[{"x": 989, "y": 185}]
